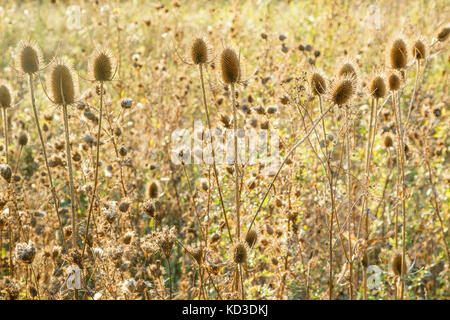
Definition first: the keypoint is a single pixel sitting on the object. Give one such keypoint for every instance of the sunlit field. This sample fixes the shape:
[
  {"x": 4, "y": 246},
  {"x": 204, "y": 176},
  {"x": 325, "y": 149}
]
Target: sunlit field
[{"x": 216, "y": 150}]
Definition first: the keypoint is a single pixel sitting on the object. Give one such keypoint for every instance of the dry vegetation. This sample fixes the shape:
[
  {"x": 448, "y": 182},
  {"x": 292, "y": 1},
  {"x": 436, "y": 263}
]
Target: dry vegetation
[{"x": 92, "y": 207}]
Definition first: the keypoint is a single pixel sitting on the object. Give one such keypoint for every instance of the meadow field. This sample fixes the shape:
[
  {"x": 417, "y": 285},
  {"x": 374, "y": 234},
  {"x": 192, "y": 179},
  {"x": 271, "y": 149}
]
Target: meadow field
[{"x": 217, "y": 150}]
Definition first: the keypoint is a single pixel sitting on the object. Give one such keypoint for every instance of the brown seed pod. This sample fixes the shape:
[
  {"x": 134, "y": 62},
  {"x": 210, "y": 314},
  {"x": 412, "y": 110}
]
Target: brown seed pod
[
  {"x": 443, "y": 33},
  {"x": 396, "y": 263},
  {"x": 377, "y": 87},
  {"x": 239, "y": 252},
  {"x": 419, "y": 50},
  {"x": 199, "y": 51},
  {"x": 230, "y": 66},
  {"x": 28, "y": 57},
  {"x": 6, "y": 99},
  {"x": 398, "y": 54},
  {"x": 6, "y": 172},
  {"x": 62, "y": 84},
  {"x": 102, "y": 65},
  {"x": 394, "y": 82},
  {"x": 348, "y": 69},
  {"x": 317, "y": 83},
  {"x": 343, "y": 91},
  {"x": 154, "y": 190},
  {"x": 388, "y": 141},
  {"x": 251, "y": 237},
  {"x": 22, "y": 138}
]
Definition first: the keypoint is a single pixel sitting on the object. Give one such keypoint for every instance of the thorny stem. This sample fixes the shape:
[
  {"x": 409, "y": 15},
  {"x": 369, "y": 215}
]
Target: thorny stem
[
  {"x": 94, "y": 191},
  {"x": 5, "y": 133},
  {"x": 216, "y": 175},
  {"x": 44, "y": 151},
  {"x": 350, "y": 209},
  {"x": 236, "y": 168},
  {"x": 284, "y": 161}
]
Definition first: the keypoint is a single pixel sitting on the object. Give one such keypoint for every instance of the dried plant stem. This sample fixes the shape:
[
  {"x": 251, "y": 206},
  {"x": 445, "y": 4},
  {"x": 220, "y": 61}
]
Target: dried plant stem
[
  {"x": 349, "y": 195},
  {"x": 18, "y": 160},
  {"x": 413, "y": 95},
  {"x": 400, "y": 144},
  {"x": 216, "y": 174},
  {"x": 284, "y": 161},
  {"x": 71, "y": 184},
  {"x": 236, "y": 167},
  {"x": 5, "y": 133},
  {"x": 44, "y": 151},
  {"x": 333, "y": 206},
  {"x": 97, "y": 159}
]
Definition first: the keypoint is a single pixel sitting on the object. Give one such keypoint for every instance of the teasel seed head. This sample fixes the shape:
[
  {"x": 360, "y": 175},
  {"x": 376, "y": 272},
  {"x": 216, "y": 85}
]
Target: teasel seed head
[
  {"x": 343, "y": 90},
  {"x": 102, "y": 65},
  {"x": 230, "y": 66},
  {"x": 377, "y": 87},
  {"x": 199, "y": 51},
  {"x": 251, "y": 237},
  {"x": 419, "y": 50},
  {"x": 22, "y": 138},
  {"x": 388, "y": 141},
  {"x": 398, "y": 54},
  {"x": 240, "y": 252},
  {"x": 6, "y": 172},
  {"x": 348, "y": 69},
  {"x": 396, "y": 263},
  {"x": 28, "y": 57},
  {"x": 443, "y": 33},
  {"x": 6, "y": 97},
  {"x": 154, "y": 190},
  {"x": 317, "y": 83},
  {"x": 394, "y": 82},
  {"x": 62, "y": 84}
]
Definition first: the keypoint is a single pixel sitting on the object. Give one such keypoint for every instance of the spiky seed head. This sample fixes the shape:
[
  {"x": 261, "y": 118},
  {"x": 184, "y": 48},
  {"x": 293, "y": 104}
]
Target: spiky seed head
[
  {"x": 102, "y": 65},
  {"x": 377, "y": 87},
  {"x": 230, "y": 66},
  {"x": 419, "y": 50},
  {"x": 6, "y": 99},
  {"x": 153, "y": 190},
  {"x": 240, "y": 252},
  {"x": 62, "y": 84},
  {"x": 396, "y": 263},
  {"x": 317, "y": 83},
  {"x": 348, "y": 69},
  {"x": 394, "y": 82},
  {"x": 199, "y": 51},
  {"x": 251, "y": 237},
  {"x": 28, "y": 57},
  {"x": 388, "y": 141},
  {"x": 443, "y": 33},
  {"x": 5, "y": 172},
  {"x": 22, "y": 138},
  {"x": 343, "y": 91},
  {"x": 398, "y": 54}
]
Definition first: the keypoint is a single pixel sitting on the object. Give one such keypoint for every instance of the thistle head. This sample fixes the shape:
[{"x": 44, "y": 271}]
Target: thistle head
[
  {"x": 230, "y": 66},
  {"x": 6, "y": 97},
  {"x": 28, "y": 57},
  {"x": 199, "y": 51},
  {"x": 398, "y": 53},
  {"x": 343, "y": 90},
  {"x": 102, "y": 65}
]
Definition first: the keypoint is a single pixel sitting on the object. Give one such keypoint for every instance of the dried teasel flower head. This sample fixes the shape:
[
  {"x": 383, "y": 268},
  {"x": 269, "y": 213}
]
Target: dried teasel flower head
[
  {"x": 28, "y": 57},
  {"x": 22, "y": 138},
  {"x": 6, "y": 97},
  {"x": 154, "y": 190},
  {"x": 419, "y": 49},
  {"x": 62, "y": 84},
  {"x": 443, "y": 33},
  {"x": 398, "y": 53},
  {"x": 317, "y": 82},
  {"x": 200, "y": 51},
  {"x": 343, "y": 90},
  {"x": 396, "y": 263},
  {"x": 394, "y": 81},
  {"x": 348, "y": 68},
  {"x": 6, "y": 172},
  {"x": 26, "y": 252},
  {"x": 102, "y": 65},
  {"x": 230, "y": 66},
  {"x": 377, "y": 86},
  {"x": 239, "y": 252},
  {"x": 251, "y": 237}
]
